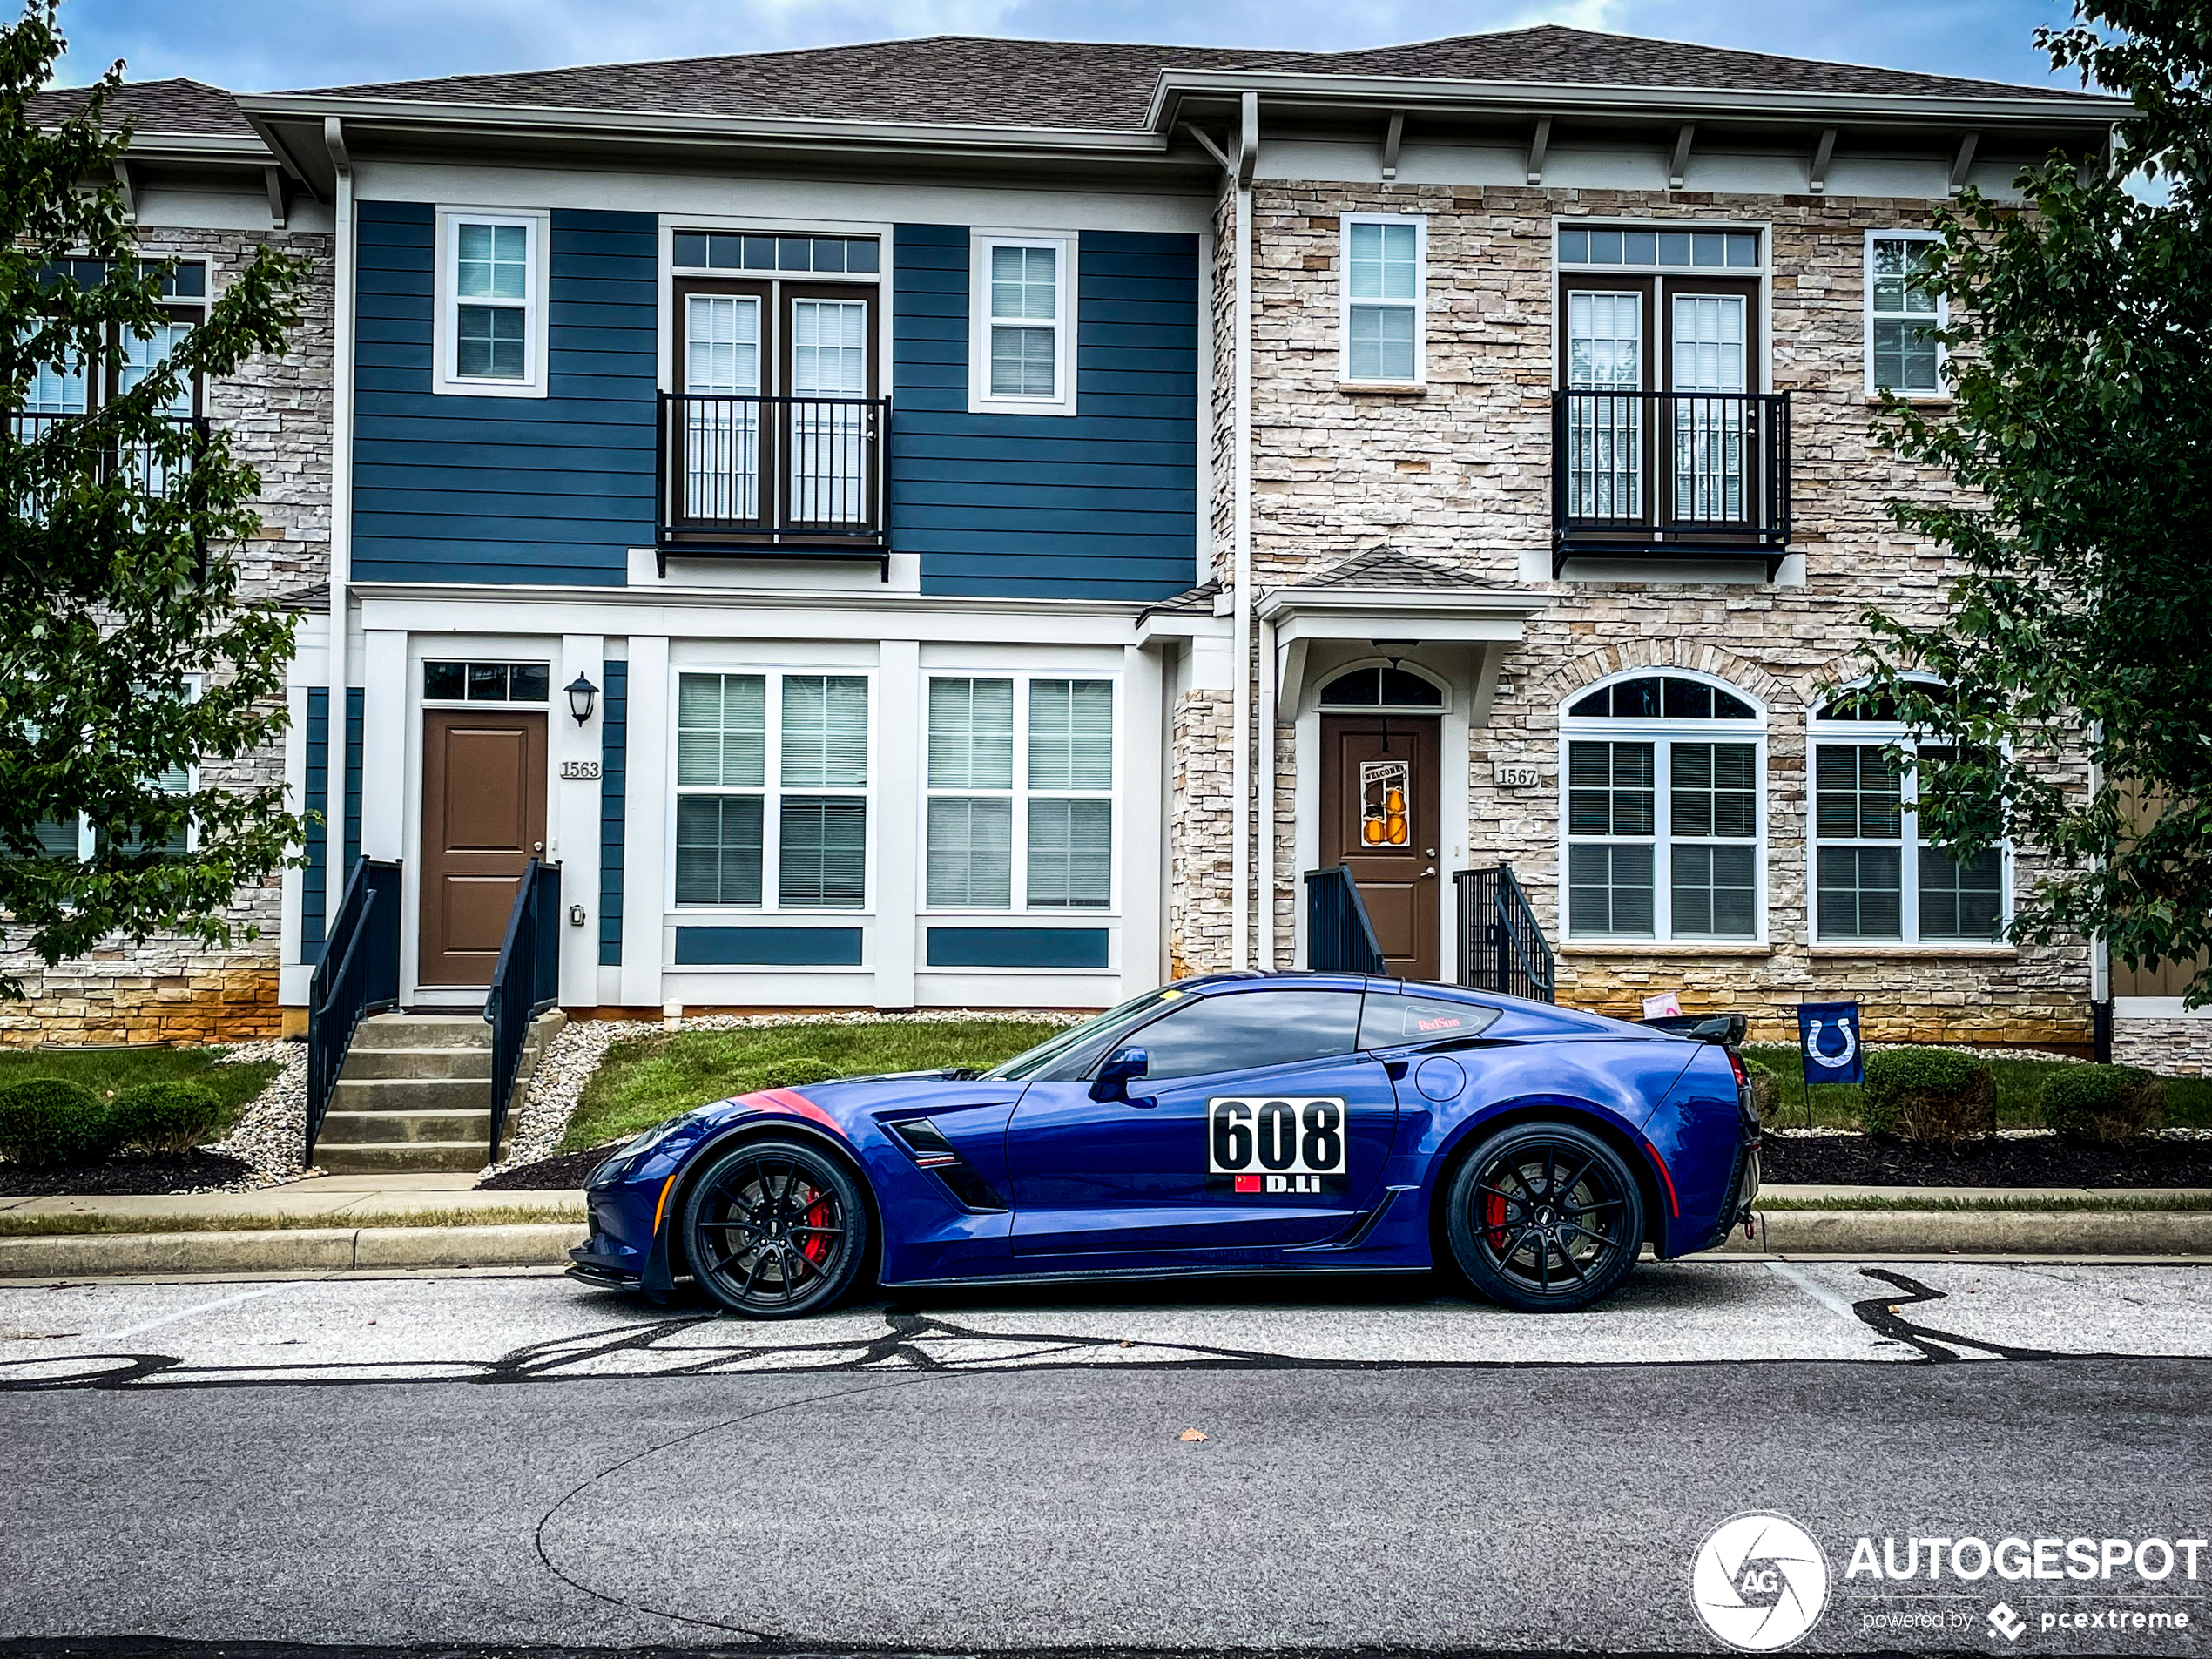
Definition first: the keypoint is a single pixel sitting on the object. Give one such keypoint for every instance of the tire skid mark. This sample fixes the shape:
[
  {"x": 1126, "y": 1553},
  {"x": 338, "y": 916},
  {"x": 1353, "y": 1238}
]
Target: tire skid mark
[{"x": 1936, "y": 1347}]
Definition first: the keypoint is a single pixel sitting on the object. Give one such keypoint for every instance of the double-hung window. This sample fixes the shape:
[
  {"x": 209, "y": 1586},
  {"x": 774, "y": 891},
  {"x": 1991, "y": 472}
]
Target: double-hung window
[
  {"x": 1385, "y": 287},
  {"x": 1902, "y": 353},
  {"x": 772, "y": 791},
  {"x": 1874, "y": 879},
  {"x": 1021, "y": 358},
  {"x": 78, "y": 837},
  {"x": 1663, "y": 779},
  {"x": 491, "y": 317},
  {"x": 1020, "y": 780}
]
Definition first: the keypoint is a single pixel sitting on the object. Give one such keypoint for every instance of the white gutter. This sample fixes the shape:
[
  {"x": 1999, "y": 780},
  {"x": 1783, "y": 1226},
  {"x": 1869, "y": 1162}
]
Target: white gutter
[
  {"x": 341, "y": 498},
  {"x": 1240, "y": 706}
]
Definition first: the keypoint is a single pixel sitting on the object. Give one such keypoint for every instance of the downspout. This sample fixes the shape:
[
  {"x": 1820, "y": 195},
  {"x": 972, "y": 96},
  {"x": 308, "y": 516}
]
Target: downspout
[
  {"x": 342, "y": 478},
  {"x": 1240, "y": 719}
]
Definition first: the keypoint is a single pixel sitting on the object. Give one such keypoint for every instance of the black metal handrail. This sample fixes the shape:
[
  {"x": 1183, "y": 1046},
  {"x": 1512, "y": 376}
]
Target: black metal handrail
[
  {"x": 1339, "y": 939},
  {"x": 525, "y": 984},
  {"x": 1636, "y": 472},
  {"x": 358, "y": 974},
  {"x": 1501, "y": 947},
  {"x": 803, "y": 473}
]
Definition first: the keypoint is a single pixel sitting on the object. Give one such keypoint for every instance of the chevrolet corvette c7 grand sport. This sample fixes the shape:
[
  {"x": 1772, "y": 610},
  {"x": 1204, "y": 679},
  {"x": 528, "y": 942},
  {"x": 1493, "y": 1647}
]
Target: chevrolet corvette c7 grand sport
[{"x": 1235, "y": 1123}]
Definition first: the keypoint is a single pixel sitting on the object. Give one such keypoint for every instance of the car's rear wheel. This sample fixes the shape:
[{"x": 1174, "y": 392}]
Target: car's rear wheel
[
  {"x": 776, "y": 1229},
  {"x": 1545, "y": 1216}
]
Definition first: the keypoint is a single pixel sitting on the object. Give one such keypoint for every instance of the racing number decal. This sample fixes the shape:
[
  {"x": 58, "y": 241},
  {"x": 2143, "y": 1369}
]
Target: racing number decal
[{"x": 1300, "y": 1134}]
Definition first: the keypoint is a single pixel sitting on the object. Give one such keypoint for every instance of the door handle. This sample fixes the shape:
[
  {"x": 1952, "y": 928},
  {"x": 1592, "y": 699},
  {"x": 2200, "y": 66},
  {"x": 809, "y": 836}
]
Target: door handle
[
  {"x": 539, "y": 847},
  {"x": 1430, "y": 871}
]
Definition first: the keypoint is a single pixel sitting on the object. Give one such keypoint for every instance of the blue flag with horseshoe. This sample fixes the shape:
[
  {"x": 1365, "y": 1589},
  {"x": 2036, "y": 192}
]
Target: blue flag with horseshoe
[{"x": 1827, "y": 1040}]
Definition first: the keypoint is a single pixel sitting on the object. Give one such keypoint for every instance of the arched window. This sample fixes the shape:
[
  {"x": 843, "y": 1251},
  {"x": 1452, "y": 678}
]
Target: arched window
[
  {"x": 1874, "y": 878},
  {"x": 1381, "y": 688},
  {"x": 1664, "y": 827}
]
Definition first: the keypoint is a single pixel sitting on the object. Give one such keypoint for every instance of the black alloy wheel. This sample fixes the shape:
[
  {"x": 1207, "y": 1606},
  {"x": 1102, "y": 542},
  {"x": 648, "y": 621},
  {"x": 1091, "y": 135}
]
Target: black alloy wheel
[
  {"x": 1544, "y": 1218},
  {"x": 775, "y": 1229}
]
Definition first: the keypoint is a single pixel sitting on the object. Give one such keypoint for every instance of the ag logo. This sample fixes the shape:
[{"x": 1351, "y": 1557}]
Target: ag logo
[{"x": 1760, "y": 1581}]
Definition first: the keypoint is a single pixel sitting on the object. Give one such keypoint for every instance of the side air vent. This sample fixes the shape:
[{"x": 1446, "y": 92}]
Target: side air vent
[{"x": 931, "y": 1151}]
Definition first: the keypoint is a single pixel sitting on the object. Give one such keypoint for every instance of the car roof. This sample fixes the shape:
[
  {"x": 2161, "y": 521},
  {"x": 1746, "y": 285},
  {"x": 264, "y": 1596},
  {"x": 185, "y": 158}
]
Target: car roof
[{"x": 1538, "y": 1015}]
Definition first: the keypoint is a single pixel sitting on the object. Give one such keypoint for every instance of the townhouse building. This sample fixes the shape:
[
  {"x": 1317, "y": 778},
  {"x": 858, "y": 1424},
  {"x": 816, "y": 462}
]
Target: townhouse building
[{"x": 974, "y": 523}]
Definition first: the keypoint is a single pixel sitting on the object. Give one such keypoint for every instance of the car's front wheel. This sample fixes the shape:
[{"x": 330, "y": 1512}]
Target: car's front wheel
[
  {"x": 1544, "y": 1218},
  {"x": 775, "y": 1229}
]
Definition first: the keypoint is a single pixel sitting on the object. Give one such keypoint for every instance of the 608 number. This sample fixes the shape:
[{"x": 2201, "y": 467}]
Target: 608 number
[{"x": 1302, "y": 1135}]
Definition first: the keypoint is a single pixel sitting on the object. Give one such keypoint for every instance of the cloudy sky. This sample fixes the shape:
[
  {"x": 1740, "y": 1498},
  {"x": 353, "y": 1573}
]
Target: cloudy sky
[{"x": 270, "y": 44}]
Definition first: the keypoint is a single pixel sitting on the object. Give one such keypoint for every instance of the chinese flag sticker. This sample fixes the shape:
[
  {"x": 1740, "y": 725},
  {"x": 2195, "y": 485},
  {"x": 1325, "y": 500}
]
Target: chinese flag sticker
[{"x": 1248, "y": 1184}]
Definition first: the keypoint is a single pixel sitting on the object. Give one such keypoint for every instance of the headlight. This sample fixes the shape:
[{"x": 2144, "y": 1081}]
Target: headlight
[{"x": 625, "y": 1158}]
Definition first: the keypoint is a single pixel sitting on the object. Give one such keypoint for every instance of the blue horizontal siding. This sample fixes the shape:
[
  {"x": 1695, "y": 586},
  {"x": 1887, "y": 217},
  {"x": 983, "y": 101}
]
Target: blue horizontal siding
[
  {"x": 768, "y": 947},
  {"x": 551, "y": 489},
  {"x": 1101, "y": 504},
  {"x": 1017, "y": 946},
  {"x": 614, "y": 781}
]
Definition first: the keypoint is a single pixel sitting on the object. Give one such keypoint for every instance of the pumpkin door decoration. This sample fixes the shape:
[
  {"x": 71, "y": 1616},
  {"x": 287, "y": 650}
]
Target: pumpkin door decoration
[{"x": 1384, "y": 806}]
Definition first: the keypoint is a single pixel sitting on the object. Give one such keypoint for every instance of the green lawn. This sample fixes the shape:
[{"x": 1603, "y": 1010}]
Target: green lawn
[
  {"x": 2019, "y": 1094},
  {"x": 105, "y": 1070},
  {"x": 648, "y": 1079}
]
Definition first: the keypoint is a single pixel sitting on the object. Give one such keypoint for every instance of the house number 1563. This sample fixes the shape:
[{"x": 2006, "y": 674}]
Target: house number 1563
[{"x": 579, "y": 769}]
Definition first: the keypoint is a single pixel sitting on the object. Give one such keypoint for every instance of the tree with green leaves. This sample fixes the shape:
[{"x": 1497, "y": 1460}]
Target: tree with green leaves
[
  {"x": 126, "y": 657},
  {"x": 2080, "y": 626}
]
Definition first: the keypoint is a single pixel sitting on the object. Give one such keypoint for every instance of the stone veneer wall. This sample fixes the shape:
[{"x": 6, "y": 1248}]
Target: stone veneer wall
[
  {"x": 1460, "y": 476},
  {"x": 2176, "y": 1048},
  {"x": 1199, "y": 879},
  {"x": 277, "y": 411}
]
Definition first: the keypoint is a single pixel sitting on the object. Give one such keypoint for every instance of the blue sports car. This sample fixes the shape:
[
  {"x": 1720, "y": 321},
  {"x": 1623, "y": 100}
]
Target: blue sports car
[{"x": 1235, "y": 1123}]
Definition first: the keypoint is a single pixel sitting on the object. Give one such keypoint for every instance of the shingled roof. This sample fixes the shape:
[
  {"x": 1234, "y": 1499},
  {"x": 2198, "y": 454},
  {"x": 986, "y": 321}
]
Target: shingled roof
[
  {"x": 1081, "y": 84},
  {"x": 179, "y": 105}
]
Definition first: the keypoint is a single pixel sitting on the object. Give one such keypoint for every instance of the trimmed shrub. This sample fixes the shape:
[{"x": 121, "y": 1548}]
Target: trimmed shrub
[
  {"x": 2103, "y": 1104},
  {"x": 167, "y": 1118},
  {"x": 48, "y": 1121},
  {"x": 1941, "y": 1096}
]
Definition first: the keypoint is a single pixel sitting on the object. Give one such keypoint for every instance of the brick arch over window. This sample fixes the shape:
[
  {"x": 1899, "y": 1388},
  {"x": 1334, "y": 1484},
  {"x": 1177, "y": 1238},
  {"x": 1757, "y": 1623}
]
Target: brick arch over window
[{"x": 1559, "y": 685}]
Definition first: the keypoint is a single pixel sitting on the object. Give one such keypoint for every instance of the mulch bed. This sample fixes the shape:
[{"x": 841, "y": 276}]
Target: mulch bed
[
  {"x": 1860, "y": 1160},
  {"x": 563, "y": 1173},
  {"x": 164, "y": 1172}
]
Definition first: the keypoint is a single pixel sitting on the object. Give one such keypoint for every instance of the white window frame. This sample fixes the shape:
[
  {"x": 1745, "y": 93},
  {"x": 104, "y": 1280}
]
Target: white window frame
[
  {"x": 88, "y": 838},
  {"x": 1418, "y": 304},
  {"x": 445, "y": 378},
  {"x": 1066, "y": 247},
  {"x": 1661, "y": 733},
  {"x": 1020, "y": 795},
  {"x": 771, "y": 790},
  {"x": 1879, "y": 734},
  {"x": 1941, "y": 319}
]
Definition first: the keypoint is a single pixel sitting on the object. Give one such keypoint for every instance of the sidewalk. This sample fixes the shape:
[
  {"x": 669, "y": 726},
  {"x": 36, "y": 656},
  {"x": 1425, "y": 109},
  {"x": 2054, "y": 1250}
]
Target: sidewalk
[{"x": 353, "y": 1223}]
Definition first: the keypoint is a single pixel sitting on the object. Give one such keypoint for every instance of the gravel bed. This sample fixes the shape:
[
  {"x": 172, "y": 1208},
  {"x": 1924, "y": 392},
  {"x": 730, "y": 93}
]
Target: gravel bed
[{"x": 534, "y": 1133}]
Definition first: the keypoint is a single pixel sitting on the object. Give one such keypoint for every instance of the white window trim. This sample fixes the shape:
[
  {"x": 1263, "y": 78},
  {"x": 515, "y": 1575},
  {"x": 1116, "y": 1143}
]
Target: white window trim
[
  {"x": 771, "y": 790},
  {"x": 1875, "y": 734},
  {"x": 88, "y": 838},
  {"x": 1020, "y": 794},
  {"x": 1660, "y": 732},
  {"x": 1418, "y": 304},
  {"x": 1941, "y": 394},
  {"x": 980, "y": 400},
  {"x": 445, "y": 329}
]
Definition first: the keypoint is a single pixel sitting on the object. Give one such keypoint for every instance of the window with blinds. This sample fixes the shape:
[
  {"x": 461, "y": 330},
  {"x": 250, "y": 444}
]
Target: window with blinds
[
  {"x": 746, "y": 828},
  {"x": 1034, "y": 749}
]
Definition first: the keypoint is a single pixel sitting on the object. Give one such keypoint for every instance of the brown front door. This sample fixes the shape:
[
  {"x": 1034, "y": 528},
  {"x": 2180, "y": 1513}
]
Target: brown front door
[
  {"x": 1379, "y": 778},
  {"x": 483, "y": 820}
]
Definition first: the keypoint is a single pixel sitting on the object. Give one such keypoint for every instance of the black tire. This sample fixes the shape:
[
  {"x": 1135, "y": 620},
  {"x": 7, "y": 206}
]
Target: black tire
[
  {"x": 1544, "y": 1218},
  {"x": 776, "y": 1229}
]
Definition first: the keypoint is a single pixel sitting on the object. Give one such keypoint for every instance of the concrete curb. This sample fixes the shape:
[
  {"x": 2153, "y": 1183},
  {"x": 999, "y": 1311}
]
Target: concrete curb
[
  {"x": 1979, "y": 1232},
  {"x": 291, "y": 1250}
]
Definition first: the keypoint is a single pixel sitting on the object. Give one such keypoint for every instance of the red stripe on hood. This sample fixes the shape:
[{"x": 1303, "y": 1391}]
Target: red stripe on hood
[{"x": 791, "y": 1101}]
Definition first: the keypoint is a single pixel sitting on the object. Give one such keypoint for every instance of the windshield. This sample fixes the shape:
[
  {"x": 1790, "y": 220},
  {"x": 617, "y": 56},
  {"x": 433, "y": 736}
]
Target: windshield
[{"x": 1083, "y": 1042}]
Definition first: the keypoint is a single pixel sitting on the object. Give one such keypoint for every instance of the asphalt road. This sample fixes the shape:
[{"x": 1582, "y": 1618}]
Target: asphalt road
[{"x": 518, "y": 1461}]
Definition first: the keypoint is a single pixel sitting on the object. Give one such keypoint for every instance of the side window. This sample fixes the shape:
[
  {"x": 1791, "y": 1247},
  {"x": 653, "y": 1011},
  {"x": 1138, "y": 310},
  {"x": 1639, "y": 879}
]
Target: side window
[
  {"x": 1020, "y": 338},
  {"x": 1392, "y": 1021},
  {"x": 1236, "y": 1031},
  {"x": 1383, "y": 295},
  {"x": 491, "y": 304}
]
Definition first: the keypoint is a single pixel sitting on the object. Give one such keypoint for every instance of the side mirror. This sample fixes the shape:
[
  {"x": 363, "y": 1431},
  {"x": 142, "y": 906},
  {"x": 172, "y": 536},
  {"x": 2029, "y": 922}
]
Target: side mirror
[{"x": 1113, "y": 1079}]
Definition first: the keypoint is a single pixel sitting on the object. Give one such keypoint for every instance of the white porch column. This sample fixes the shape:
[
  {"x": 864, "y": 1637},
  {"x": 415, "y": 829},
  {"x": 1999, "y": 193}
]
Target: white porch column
[
  {"x": 646, "y": 817},
  {"x": 575, "y": 818},
  {"x": 901, "y": 737}
]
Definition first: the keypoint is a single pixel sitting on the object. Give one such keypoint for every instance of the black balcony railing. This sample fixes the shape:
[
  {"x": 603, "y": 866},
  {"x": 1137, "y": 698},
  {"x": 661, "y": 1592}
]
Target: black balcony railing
[
  {"x": 358, "y": 974},
  {"x": 158, "y": 473},
  {"x": 786, "y": 477},
  {"x": 1501, "y": 947},
  {"x": 1676, "y": 474},
  {"x": 1339, "y": 939},
  {"x": 526, "y": 983}
]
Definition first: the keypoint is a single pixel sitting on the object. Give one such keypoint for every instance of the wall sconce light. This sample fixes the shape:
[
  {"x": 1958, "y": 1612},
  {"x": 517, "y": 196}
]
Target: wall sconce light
[{"x": 581, "y": 695}]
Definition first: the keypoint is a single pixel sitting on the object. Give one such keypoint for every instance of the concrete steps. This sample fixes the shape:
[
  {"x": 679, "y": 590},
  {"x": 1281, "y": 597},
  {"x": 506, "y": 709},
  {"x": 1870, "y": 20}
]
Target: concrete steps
[{"x": 414, "y": 1094}]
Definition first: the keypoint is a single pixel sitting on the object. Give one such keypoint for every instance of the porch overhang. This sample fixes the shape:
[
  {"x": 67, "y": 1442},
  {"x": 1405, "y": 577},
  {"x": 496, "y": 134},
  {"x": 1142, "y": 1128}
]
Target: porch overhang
[{"x": 1483, "y": 621}]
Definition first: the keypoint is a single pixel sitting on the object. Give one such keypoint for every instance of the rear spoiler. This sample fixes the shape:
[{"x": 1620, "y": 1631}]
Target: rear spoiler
[{"x": 1727, "y": 1029}]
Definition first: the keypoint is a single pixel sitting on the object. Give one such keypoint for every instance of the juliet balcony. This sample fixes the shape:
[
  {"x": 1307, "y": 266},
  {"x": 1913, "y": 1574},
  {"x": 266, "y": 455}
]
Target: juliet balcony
[
  {"x": 772, "y": 477},
  {"x": 1673, "y": 475}
]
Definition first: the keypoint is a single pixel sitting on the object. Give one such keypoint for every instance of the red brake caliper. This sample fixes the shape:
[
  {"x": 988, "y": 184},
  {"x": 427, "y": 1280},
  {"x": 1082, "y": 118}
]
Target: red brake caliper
[
  {"x": 816, "y": 1245},
  {"x": 1494, "y": 1218}
]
